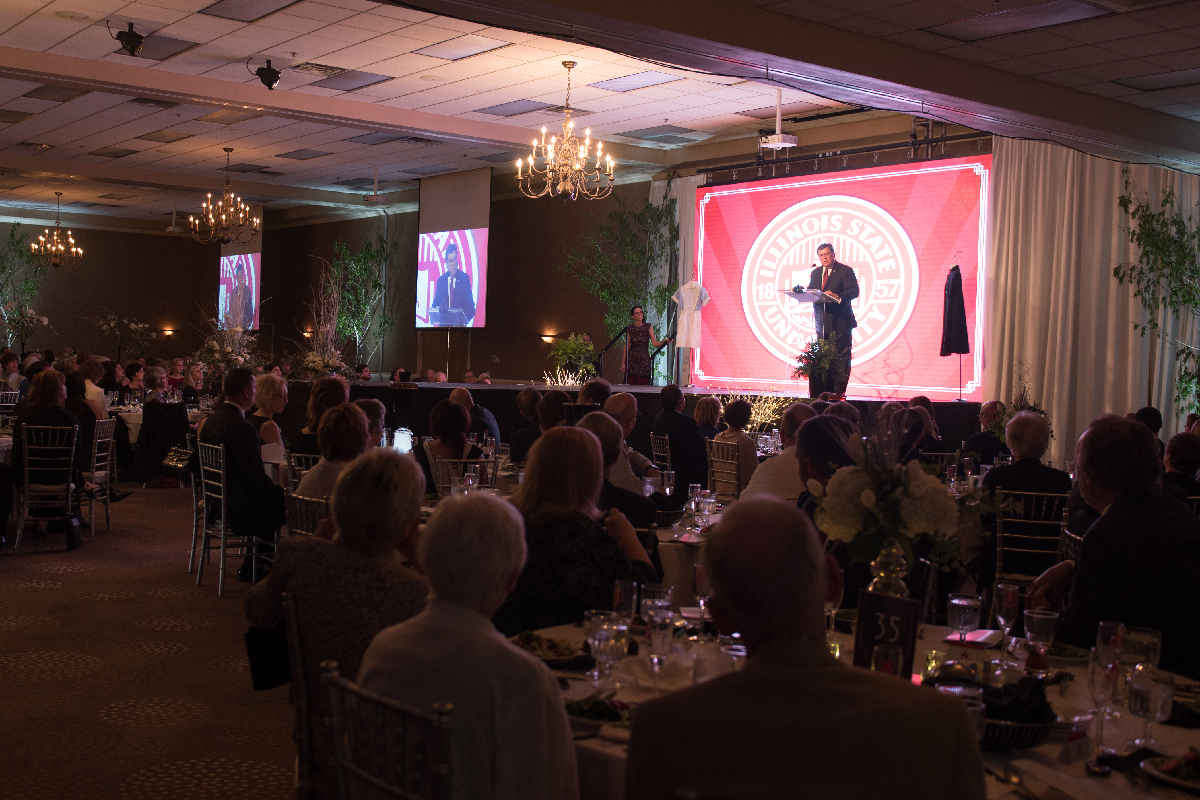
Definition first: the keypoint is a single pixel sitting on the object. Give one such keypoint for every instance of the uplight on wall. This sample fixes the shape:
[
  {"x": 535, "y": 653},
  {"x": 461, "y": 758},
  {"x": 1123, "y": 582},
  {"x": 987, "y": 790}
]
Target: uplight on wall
[
  {"x": 168, "y": 332},
  {"x": 308, "y": 334}
]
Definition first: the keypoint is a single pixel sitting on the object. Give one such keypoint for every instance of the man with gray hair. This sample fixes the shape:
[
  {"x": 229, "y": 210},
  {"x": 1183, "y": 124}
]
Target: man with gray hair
[
  {"x": 483, "y": 422},
  {"x": 780, "y": 725},
  {"x": 631, "y": 466},
  {"x": 1028, "y": 436},
  {"x": 637, "y": 508},
  {"x": 985, "y": 445},
  {"x": 510, "y": 734},
  {"x": 780, "y": 476}
]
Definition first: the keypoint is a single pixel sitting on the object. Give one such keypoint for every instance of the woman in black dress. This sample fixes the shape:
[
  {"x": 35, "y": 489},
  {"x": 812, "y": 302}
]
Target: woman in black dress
[{"x": 640, "y": 335}]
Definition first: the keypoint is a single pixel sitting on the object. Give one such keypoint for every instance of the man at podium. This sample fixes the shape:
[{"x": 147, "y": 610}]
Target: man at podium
[
  {"x": 453, "y": 290},
  {"x": 839, "y": 282}
]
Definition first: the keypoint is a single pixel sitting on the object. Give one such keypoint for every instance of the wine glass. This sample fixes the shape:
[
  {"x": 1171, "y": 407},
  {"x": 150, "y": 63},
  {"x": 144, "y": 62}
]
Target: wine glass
[
  {"x": 831, "y": 609},
  {"x": 963, "y": 614},
  {"x": 1102, "y": 682},
  {"x": 703, "y": 590},
  {"x": 504, "y": 451},
  {"x": 660, "y": 629},
  {"x": 592, "y": 621},
  {"x": 1039, "y": 632},
  {"x": 668, "y": 482},
  {"x": 625, "y": 601},
  {"x": 968, "y": 467},
  {"x": 1109, "y": 636},
  {"x": 1008, "y": 601},
  {"x": 1151, "y": 694}
]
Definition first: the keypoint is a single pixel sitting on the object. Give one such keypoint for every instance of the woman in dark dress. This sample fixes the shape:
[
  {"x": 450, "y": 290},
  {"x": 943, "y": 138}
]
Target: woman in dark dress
[
  {"x": 448, "y": 424},
  {"x": 47, "y": 408},
  {"x": 270, "y": 398},
  {"x": 640, "y": 335},
  {"x": 325, "y": 394}
]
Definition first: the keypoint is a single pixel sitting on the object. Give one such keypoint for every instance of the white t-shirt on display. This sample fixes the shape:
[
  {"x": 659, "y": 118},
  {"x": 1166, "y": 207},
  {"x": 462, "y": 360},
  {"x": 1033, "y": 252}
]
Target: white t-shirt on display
[{"x": 691, "y": 297}]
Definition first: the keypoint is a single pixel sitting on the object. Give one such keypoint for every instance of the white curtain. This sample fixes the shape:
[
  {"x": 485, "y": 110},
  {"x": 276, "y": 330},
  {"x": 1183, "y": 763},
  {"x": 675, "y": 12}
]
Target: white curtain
[
  {"x": 683, "y": 190},
  {"x": 1055, "y": 314}
]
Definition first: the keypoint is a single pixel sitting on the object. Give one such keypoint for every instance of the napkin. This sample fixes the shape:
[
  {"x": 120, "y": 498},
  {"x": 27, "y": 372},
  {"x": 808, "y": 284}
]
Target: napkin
[{"x": 675, "y": 672}]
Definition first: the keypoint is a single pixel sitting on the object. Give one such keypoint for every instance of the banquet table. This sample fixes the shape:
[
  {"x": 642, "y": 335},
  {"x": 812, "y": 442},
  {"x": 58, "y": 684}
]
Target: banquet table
[
  {"x": 6, "y": 444},
  {"x": 133, "y": 421},
  {"x": 601, "y": 760}
]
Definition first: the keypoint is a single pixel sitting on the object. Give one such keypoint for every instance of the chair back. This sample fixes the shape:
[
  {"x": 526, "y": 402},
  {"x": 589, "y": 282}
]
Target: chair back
[
  {"x": 1069, "y": 545},
  {"x": 304, "y": 734},
  {"x": 922, "y": 586},
  {"x": 212, "y": 480},
  {"x": 446, "y": 468},
  {"x": 102, "y": 450},
  {"x": 49, "y": 454},
  {"x": 304, "y": 514},
  {"x": 164, "y": 425},
  {"x": 660, "y": 446},
  {"x": 724, "y": 470},
  {"x": 1029, "y": 537},
  {"x": 298, "y": 464},
  {"x": 382, "y": 747},
  {"x": 1194, "y": 502},
  {"x": 678, "y": 564}
]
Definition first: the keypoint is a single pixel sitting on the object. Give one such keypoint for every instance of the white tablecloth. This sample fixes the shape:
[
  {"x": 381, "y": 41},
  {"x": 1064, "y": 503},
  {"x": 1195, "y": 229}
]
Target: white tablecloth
[
  {"x": 6, "y": 443},
  {"x": 133, "y": 421}
]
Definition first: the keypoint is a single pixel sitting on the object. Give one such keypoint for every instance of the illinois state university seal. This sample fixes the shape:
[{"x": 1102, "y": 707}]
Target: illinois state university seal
[{"x": 865, "y": 238}]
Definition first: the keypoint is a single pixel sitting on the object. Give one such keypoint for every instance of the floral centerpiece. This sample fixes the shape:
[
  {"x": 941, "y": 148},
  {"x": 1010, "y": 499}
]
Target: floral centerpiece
[
  {"x": 819, "y": 362},
  {"x": 320, "y": 355},
  {"x": 1021, "y": 402},
  {"x": 229, "y": 342},
  {"x": 21, "y": 321}
]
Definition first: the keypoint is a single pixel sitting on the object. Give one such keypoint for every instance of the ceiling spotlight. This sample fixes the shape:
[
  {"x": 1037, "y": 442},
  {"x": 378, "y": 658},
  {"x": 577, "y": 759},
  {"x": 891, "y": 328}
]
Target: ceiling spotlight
[
  {"x": 268, "y": 74},
  {"x": 130, "y": 41}
]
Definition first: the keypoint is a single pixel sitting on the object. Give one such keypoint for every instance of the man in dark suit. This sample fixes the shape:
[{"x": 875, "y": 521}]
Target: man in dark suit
[
  {"x": 453, "y": 290},
  {"x": 689, "y": 456},
  {"x": 254, "y": 503},
  {"x": 483, "y": 422},
  {"x": 984, "y": 446},
  {"x": 837, "y": 280},
  {"x": 1182, "y": 462},
  {"x": 1140, "y": 561},
  {"x": 520, "y": 441}
]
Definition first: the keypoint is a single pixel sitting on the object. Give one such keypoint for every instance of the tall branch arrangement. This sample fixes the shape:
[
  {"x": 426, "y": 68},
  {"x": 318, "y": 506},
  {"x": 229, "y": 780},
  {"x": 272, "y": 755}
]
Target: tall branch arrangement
[
  {"x": 1165, "y": 277},
  {"x": 20, "y": 280},
  {"x": 321, "y": 355},
  {"x": 361, "y": 317}
]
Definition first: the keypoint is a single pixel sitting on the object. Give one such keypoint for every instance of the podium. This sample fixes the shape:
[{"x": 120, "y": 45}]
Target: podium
[
  {"x": 805, "y": 296},
  {"x": 453, "y": 318}
]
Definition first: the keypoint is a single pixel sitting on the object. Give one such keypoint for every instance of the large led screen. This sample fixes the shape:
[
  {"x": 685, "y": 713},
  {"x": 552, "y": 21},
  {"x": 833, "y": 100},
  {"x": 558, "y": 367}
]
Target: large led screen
[
  {"x": 452, "y": 279},
  {"x": 238, "y": 295},
  {"x": 900, "y": 228}
]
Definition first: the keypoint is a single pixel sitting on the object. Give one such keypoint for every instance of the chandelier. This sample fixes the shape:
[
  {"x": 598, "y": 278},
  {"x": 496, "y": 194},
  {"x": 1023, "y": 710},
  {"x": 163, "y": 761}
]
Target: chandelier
[
  {"x": 565, "y": 166},
  {"x": 54, "y": 249},
  {"x": 228, "y": 220}
]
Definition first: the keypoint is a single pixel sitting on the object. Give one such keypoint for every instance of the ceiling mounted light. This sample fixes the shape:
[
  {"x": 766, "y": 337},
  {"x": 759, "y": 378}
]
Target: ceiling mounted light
[
  {"x": 228, "y": 220},
  {"x": 565, "y": 166},
  {"x": 55, "y": 249},
  {"x": 130, "y": 41},
  {"x": 268, "y": 74}
]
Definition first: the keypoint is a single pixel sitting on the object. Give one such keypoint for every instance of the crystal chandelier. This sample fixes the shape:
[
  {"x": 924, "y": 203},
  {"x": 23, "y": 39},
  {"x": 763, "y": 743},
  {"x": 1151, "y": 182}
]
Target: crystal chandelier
[
  {"x": 54, "y": 249},
  {"x": 228, "y": 220},
  {"x": 566, "y": 166}
]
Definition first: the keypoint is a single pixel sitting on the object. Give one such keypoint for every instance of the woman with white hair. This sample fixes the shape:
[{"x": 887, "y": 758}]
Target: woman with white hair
[{"x": 510, "y": 737}]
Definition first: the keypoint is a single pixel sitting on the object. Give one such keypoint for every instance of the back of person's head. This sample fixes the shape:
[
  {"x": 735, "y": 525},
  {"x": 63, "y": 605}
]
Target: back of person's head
[
  {"x": 472, "y": 548},
  {"x": 845, "y": 411},
  {"x": 819, "y": 406},
  {"x": 928, "y": 428},
  {"x": 921, "y": 401},
  {"x": 134, "y": 369},
  {"x": 906, "y": 430},
  {"x": 765, "y": 565},
  {"x": 622, "y": 407},
  {"x": 33, "y": 369},
  {"x": 92, "y": 370},
  {"x": 76, "y": 390},
  {"x": 793, "y": 417},
  {"x": 110, "y": 372},
  {"x": 1151, "y": 417},
  {"x": 707, "y": 412},
  {"x": 237, "y": 381},
  {"x": 550, "y": 411},
  {"x": 824, "y": 442},
  {"x": 563, "y": 476},
  {"x": 595, "y": 392},
  {"x": 376, "y": 501},
  {"x": 607, "y": 431},
  {"x": 156, "y": 379},
  {"x": 266, "y": 387},
  {"x": 1183, "y": 453},
  {"x": 448, "y": 422},
  {"x": 527, "y": 403},
  {"x": 1191, "y": 420},
  {"x": 342, "y": 433},
  {"x": 1028, "y": 435},
  {"x": 738, "y": 413},
  {"x": 324, "y": 395},
  {"x": 376, "y": 412},
  {"x": 670, "y": 397},
  {"x": 463, "y": 398},
  {"x": 883, "y": 417},
  {"x": 46, "y": 391},
  {"x": 48, "y": 356},
  {"x": 1118, "y": 455}
]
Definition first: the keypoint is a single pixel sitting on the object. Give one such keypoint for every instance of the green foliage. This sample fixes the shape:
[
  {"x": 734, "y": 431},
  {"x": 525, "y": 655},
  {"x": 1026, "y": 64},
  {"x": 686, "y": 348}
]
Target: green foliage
[
  {"x": 20, "y": 280},
  {"x": 574, "y": 355},
  {"x": 361, "y": 317},
  {"x": 1166, "y": 276},
  {"x": 819, "y": 361},
  {"x": 624, "y": 260}
]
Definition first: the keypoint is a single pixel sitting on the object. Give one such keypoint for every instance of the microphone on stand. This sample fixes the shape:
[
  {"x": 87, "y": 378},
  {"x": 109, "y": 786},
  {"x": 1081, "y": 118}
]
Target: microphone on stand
[{"x": 797, "y": 288}]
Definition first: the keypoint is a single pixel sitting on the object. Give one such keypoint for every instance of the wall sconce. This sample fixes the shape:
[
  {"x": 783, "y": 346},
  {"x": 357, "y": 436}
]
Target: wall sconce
[
  {"x": 549, "y": 338},
  {"x": 168, "y": 332},
  {"x": 308, "y": 334}
]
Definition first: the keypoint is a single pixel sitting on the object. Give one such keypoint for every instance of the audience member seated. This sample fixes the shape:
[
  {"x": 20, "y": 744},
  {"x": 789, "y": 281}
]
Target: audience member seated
[
  {"x": 156, "y": 385},
  {"x": 794, "y": 721},
  {"x": 573, "y": 559},
  {"x": 31, "y": 372},
  {"x": 430, "y": 376},
  {"x": 362, "y": 372},
  {"x": 520, "y": 441},
  {"x": 640, "y": 510},
  {"x": 1028, "y": 436},
  {"x": 440, "y": 378},
  {"x": 883, "y": 418},
  {"x": 343, "y": 435},
  {"x": 270, "y": 398},
  {"x": 92, "y": 372},
  {"x": 174, "y": 379},
  {"x": 905, "y": 434},
  {"x": 324, "y": 395},
  {"x": 780, "y": 476},
  {"x": 845, "y": 411},
  {"x": 484, "y": 378},
  {"x": 924, "y": 403},
  {"x": 348, "y": 590},
  {"x": 631, "y": 467},
  {"x": 114, "y": 380},
  {"x": 193, "y": 383},
  {"x": 1181, "y": 462},
  {"x": 468, "y": 377},
  {"x": 254, "y": 504},
  {"x": 708, "y": 416},
  {"x": 737, "y": 417},
  {"x": 689, "y": 456},
  {"x": 399, "y": 375},
  {"x": 929, "y": 441},
  {"x": 819, "y": 406},
  {"x": 1151, "y": 417},
  {"x": 483, "y": 422},
  {"x": 10, "y": 371},
  {"x": 595, "y": 392},
  {"x": 510, "y": 737},
  {"x": 1140, "y": 561},
  {"x": 136, "y": 373},
  {"x": 46, "y": 408},
  {"x": 376, "y": 412},
  {"x": 448, "y": 424},
  {"x": 985, "y": 445}
]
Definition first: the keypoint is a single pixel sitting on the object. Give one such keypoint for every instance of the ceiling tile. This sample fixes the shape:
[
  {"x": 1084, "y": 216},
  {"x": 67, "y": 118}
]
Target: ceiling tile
[
  {"x": 1020, "y": 66},
  {"x": 1064, "y": 78},
  {"x": 244, "y": 10},
  {"x": 1147, "y": 100},
  {"x": 319, "y": 12},
  {"x": 1073, "y": 57},
  {"x": 461, "y": 47},
  {"x": 29, "y": 104},
  {"x": 1028, "y": 43},
  {"x": 1105, "y": 29},
  {"x": 374, "y": 22},
  {"x": 14, "y": 116},
  {"x": 1176, "y": 15},
  {"x": 866, "y": 25},
  {"x": 1107, "y": 89},
  {"x": 973, "y": 53},
  {"x": 59, "y": 94},
  {"x": 803, "y": 9},
  {"x": 1116, "y": 70},
  {"x": 922, "y": 39},
  {"x": 1150, "y": 44},
  {"x": 922, "y": 14},
  {"x": 863, "y": 6},
  {"x": 1183, "y": 59}
]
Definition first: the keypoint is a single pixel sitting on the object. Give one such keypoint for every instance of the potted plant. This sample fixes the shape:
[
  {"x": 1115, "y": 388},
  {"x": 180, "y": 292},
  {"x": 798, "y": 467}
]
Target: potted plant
[
  {"x": 819, "y": 362},
  {"x": 574, "y": 355}
]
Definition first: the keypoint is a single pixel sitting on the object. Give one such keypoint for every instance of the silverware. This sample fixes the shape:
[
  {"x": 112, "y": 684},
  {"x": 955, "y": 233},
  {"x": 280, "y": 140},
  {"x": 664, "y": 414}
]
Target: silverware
[{"x": 1012, "y": 777}]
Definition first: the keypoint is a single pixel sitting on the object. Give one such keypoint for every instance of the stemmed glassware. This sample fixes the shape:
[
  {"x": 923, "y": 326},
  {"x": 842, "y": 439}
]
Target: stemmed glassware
[
  {"x": 963, "y": 614},
  {"x": 668, "y": 482},
  {"x": 703, "y": 590},
  {"x": 1102, "y": 681},
  {"x": 592, "y": 621},
  {"x": 1008, "y": 601},
  {"x": 1151, "y": 694},
  {"x": 625, "y": 605}
]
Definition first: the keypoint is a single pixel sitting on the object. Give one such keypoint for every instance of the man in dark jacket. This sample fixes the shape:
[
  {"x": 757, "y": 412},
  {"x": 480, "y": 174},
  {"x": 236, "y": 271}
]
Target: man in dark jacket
[
  {"x": 839, "y": 282},
  {"x": 689, "y": 456},
  {"x": 483, "y": 422},
  {"x": 520, "y": 441},
  {"x": 985, "y": 445},
  {"x": 1181, "y": 462}
]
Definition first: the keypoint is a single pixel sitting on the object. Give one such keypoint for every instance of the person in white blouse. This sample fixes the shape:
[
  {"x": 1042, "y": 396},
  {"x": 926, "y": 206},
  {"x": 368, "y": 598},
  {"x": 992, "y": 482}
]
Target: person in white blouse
[
  {"x": 780, "y": 476},
  {"x": 511, "y": 739},
  {"x": 92, "y": 371}
]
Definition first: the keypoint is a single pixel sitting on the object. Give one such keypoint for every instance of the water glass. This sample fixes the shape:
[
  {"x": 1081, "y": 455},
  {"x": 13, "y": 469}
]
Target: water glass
[
  {"x": 887, "y": 658},
  {"x": 504, "y": 451},
  {"x": 963, "y": 614},
  {"x": 934, "y": 659},
  {"x": 1069, "y": 468},
  {"x": 668, "y": 482},
  {"x": 609, "y": 642},
  {"x": 736, "y": 654},
  {"x": 456, "y": 486},
  {"x": 977, "y": 711},
  {"x": 625, "y": 605},
  {"x": 1039, "y": 631},
  {"x": 1008, "y": 601},
  {"x": 951, "y": 474},
  {"x": 655, "y": 596},
  {"x": 1151, "y": 694},
  {"x": 703, "y": 590},
  {"x": 470, "y": 479},
  {"x": 708, "y": 504},
  {"x": 1102, "y": 683},
  {"x": 660, "y": 630},
  {"x": 968, "y": 467},
  {"x": 647, "y": 486},
  {"x": 693, "y": 493},
  {"x": 1141, "y": 646}
]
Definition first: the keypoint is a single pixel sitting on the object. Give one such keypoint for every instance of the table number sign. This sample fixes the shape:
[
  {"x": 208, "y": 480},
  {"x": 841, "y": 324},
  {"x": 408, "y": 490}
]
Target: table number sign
[{"x": 886, "y": 619}]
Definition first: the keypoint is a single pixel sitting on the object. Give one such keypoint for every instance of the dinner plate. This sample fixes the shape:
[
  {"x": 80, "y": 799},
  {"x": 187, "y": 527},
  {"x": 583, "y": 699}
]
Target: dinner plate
[
  {"x": 1150, "y": 767},
  {"x": 692, "y": 612},
  {"x": 1078, "y": 657}
]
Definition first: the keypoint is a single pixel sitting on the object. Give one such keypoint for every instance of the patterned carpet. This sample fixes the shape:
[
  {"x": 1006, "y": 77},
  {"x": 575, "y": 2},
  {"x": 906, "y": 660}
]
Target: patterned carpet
[{"x": 120, "y": 678}]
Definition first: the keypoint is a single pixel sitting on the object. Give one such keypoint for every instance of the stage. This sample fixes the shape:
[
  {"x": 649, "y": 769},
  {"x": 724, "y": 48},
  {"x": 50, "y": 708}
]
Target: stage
[{"x": 409, "y": 407}]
